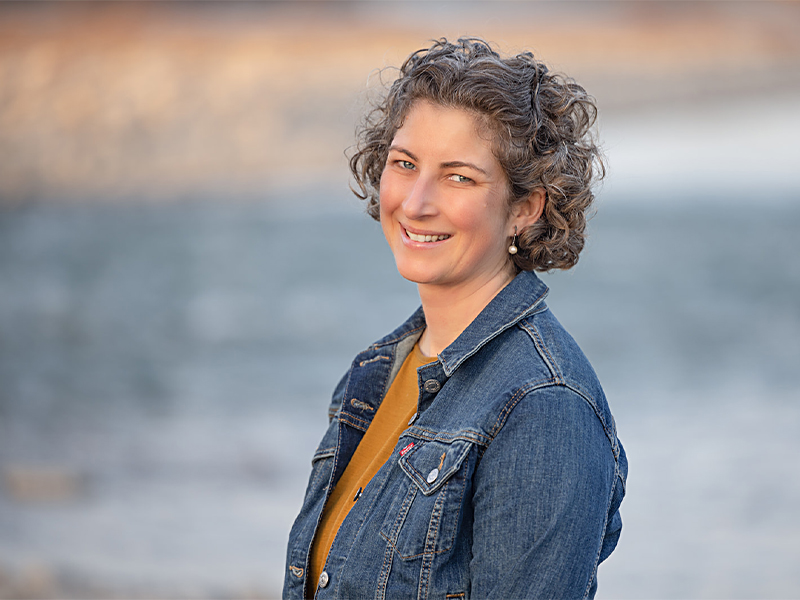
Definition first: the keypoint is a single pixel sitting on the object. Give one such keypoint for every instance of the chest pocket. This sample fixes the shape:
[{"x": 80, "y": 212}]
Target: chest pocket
[{"x": 427, "y": 511}]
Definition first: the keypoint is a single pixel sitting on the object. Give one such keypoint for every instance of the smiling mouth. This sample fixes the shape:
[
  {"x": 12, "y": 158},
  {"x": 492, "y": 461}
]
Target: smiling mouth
[{"x": 414, "y": 237}]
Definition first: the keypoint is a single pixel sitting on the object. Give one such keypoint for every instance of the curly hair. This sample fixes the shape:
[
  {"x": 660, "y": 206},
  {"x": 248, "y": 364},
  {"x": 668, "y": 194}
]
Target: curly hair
[{"x": 541, "y": 124}]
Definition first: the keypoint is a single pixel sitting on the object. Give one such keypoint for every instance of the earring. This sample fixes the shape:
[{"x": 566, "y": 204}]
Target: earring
[{"x": 512, "y": 249}]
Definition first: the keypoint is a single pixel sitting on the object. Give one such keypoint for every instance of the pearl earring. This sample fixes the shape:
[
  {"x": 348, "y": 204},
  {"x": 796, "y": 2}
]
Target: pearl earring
[{"x": 512, "y": 249}]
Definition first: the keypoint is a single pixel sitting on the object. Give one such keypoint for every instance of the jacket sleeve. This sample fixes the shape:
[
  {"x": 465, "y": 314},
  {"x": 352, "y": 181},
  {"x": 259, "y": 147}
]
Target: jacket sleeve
[{"x": 543, "y": 490}]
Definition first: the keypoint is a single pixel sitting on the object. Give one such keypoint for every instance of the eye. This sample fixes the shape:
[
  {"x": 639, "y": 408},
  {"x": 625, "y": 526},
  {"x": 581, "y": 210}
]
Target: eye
[
  {"x": 405, "y": 164},
  {"x": 459, "y": 178}
]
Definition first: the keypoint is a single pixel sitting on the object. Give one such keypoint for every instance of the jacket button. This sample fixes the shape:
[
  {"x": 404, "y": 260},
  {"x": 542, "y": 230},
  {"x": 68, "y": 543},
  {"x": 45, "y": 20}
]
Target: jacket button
[
  {"x": 324, "y": 579},
  {"x": 413, "y": 419},
  {"x": 432, "y": 386},
  {"x": 433, "y": 475}
]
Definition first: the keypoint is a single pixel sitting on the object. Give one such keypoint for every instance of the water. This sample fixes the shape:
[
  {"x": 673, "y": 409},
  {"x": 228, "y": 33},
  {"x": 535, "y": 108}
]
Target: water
[{"x": 165, "y": 373}]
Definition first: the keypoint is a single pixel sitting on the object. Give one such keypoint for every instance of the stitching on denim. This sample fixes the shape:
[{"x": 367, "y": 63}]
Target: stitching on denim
[
  {"x": 473, "y": 437},
  {"x": 460, "y": 595},
  {"x": 374, "y": 359},
  {"x": 457, "y": 363},
  {"x": 441, "y": 460},
  {"x": 531, "y": 387},
  {"x": 324, "y": 453},
  {"x": 386, "y": 569},
  {"x": 514, "y": 400},
  {"x": 397, "y": 525},
  {"x": 464, "y": 463},
  {"x": 350, "y": 419},
  {"x": 612, "y": 438},
  {"x": 576, "y": 387},
  {"x": 336, "y": 404},
  {"x": 537, "y": 311},
  {"x": 445, "y": 477},
  {"x": 332, "y": 413},
  {"x": 409, "y": 556},
  {"x": 448, "y": 545},
  {"x": 431, "y": 535},
  {"x": 602, "y": 533},
  {"x": 356, "y": 403},
  {"x": 317, "y": 470},
  {"x": 447, "y": 438},
  {"x": 346, "y": 390},
  {"x": 544, "y": 352},
  {"x": 434, "y": 526},
  {"x": 316, "y": 474},
  {"x": 509, "y": 324},
  {"x": 551, "y": 362}
]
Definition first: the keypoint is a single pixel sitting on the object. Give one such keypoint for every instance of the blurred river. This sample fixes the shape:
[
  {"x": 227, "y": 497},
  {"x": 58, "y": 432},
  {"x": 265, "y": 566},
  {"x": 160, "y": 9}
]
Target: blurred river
[{"x": 165, "y": 372}]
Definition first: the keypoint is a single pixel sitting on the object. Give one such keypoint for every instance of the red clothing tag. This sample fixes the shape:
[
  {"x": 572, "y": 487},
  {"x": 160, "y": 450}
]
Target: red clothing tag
[{"x": 406, "y": 449}]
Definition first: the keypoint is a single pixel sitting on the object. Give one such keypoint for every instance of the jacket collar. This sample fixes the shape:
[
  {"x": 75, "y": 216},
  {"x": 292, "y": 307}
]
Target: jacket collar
[{"x": 519, "y": 298}]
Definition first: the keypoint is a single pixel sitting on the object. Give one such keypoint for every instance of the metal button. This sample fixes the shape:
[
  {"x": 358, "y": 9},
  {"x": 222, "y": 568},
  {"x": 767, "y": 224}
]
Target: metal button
[
  {"x": 412, "y": 419},
  {"x": 432, "y": 386},
  {"x": 324, "y": 579},
  {"x": 433, "y": 475}
]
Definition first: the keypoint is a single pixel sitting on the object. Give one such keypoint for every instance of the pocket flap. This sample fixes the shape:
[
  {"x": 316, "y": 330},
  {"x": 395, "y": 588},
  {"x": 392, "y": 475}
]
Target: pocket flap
[{"x": 431, "y": 464}]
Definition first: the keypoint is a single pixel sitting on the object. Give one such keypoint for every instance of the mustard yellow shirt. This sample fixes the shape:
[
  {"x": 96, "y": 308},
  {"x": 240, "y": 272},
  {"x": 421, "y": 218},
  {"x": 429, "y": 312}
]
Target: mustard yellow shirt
[{"x": 390, "y": 420}]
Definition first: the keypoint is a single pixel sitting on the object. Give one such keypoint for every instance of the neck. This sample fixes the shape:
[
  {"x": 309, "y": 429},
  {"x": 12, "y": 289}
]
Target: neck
[{"x": 450, "y": 310}]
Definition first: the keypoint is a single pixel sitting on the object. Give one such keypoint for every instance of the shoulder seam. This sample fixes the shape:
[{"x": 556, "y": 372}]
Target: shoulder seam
[
  {"x": 543, "y": 351},
  {"x": 532, "y": 387}
]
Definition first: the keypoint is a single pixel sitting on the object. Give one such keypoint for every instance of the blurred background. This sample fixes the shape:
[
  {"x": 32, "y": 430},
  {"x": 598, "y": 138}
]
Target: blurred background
[{"x": 184, "y": 276}]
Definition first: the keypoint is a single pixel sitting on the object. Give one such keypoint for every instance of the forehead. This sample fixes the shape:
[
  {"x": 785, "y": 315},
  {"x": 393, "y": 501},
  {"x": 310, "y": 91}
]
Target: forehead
[{"x": 446, "y": 128}]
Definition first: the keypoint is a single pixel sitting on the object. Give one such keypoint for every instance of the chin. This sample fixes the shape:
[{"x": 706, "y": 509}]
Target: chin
[{"x": 416, "y": 275}]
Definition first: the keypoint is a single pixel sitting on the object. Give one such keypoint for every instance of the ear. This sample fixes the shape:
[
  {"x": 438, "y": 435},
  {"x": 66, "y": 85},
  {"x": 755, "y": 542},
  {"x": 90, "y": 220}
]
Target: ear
[{"x": 526, "y": 212}]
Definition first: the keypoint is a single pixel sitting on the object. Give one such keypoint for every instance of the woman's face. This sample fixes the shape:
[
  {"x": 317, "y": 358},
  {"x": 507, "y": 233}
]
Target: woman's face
[{"x": 443, "y": 201}]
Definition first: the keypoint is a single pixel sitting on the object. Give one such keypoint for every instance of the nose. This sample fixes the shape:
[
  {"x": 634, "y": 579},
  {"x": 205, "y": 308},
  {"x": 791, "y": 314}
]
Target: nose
[{"x": 420, "y": 200}]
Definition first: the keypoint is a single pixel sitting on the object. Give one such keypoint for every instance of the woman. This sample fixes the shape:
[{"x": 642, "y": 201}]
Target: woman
[{"x": 471, "y": 452}]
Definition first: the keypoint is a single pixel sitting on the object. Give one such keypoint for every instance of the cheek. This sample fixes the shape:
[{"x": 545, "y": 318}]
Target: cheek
[
  {"x": 487, "y": 225},
  {"x": 384, "y": 206},
  {"x": 388, "y": 194},
  {"x": 478, "y": 219}
]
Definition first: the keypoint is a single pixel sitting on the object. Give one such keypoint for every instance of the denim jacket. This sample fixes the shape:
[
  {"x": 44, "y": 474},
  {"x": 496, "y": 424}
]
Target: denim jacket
[{"x": 506, "y": 484}]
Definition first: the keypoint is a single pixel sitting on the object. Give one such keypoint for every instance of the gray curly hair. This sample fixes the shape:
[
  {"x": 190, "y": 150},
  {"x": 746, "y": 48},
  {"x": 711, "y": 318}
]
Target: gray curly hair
[{"x": 541, "y": 124}]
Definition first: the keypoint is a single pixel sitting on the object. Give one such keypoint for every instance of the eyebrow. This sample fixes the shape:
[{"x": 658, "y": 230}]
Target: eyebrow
[
  {"x": 403, "y": 150},
  {"x": 453, "y": 164}
]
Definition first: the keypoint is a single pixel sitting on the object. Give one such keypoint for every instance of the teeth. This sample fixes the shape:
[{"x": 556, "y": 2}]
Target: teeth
[{"x": 426, "y": 238}]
